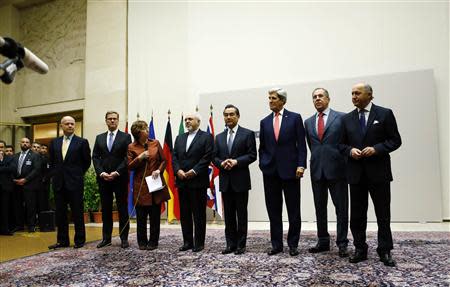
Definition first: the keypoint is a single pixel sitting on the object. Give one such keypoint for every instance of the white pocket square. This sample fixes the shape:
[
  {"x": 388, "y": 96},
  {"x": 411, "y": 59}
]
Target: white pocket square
[{"x": 375, "y": 122}]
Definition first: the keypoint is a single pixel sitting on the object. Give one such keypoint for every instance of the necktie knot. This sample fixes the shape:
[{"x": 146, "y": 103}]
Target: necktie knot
[{"x": 321, "y": 114}]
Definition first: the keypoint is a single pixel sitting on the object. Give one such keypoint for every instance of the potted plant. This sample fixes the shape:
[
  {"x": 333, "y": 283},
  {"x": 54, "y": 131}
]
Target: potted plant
[{"x": 92, "y": 195}]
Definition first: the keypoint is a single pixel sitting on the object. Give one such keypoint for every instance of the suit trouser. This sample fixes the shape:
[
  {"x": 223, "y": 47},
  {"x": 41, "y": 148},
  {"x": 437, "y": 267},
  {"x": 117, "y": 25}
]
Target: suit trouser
[
  {"x": 142, "y": 212},
  {"x": 193, "y": 205},
  {"x": 236, "y": 218},
  {"x": 4, "y": 210},
  {"x": 107, "y": 192},
  {"x": 381, "y": 198},
  {"x": 30, "y": 198},
  {"x": 18, "y": 207},
  {"x": 42, "y": 197},
  {"x": 75, "y": 201},
  {"x": 339, "y": 195},
  {"x": 274, "y": 187}
]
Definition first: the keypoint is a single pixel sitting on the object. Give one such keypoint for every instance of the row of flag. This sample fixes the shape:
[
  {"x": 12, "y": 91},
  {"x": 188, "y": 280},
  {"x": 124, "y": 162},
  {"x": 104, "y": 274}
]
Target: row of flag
[{"x": 214, "y": 200}]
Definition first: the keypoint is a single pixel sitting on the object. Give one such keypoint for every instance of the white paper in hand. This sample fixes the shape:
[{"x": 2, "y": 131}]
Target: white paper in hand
[{"x": 154, "y": 184}]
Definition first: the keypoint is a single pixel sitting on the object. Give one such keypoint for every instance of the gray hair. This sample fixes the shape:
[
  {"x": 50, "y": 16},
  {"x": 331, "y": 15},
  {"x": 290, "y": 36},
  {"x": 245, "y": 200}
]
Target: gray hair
[
  {"x": 280, "y": 92},
  {"x": 324, "y": 91},
  {"x": 195, "y": 115},
  {"x": 368, "y": 89}
]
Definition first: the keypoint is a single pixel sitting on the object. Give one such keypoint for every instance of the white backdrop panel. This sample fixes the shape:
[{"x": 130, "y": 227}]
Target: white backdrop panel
[{"x": 416, "y": 190}]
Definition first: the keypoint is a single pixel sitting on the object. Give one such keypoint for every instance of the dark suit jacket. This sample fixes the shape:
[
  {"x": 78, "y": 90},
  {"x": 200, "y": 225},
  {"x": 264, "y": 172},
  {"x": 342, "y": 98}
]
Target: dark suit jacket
[
  {"x": 244, "y": 151},
  {"x": 326, "y": 160},
  {"x": 381, "y": 133},
  {"x": 69, "y": 173},
  {"x": 116, "y": 160},
  {"x": 31, "y": 169},
  {"x": 7, "y": 173},
  {"x": 198, "y": 158},
  {"x": 286, "y": 154}
]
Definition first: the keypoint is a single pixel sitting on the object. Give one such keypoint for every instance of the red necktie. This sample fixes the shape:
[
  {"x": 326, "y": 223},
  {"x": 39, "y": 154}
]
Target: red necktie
[
  {"x": 276, "y": 126},
  {"x": 320, "y": 126}
]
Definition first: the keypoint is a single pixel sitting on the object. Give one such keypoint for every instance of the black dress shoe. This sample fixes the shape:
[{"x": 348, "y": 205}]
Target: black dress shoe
[
  {"x": 152, "y": 247},
  {"x": 358, "y": 256},
  {"x": 274, "y": 251},
  {"x": 104, "y": 243},
  {"x": 31, "y": 229},
  {"x": 386, "y": 258},
  {"x": 343, "y": 252},
  {"x": 58, "y": 245},
  {"x": 239, "y": 251},
  {"x": 228, "y": 250},
  {"x": 124, "y": 244},
  {"x": 142, "y": 247},
  {"x": 185, "y": 247},
  {"x": 7, "y": 233},
  {"x": 293, "y": 251},
  {"x": 198, "y": 248},
  {"x": 319, "y": 248},
  {"x": 78, "y": 245}
]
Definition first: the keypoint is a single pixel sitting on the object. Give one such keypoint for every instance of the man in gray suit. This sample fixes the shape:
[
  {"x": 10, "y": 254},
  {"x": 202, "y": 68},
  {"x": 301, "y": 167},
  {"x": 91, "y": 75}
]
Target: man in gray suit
[{"x": 323, "y": 134}]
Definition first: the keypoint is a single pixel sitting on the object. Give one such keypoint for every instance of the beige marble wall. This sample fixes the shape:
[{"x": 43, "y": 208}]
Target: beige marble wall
[
  {"x": 56, "y": 32},
  {"x": 106, "y": 54},
  {"x": 9, "y": 26}
]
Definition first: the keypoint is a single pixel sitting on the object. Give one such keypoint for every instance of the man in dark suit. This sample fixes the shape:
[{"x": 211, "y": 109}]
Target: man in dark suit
[
  {"x": 234, "y": 151},
  {"x": 28, "y": 167},
  {"x": 7, "y": 172},
  {"x": 70, "y": 158},
  {"x": 45, "y": 184},
  {"x": 282, "y": 160},
  {"x": 327, "y": 166},
  {"x": 192, "y": 153},
  {"x": 369, "y": 134},
  {"x": 110, "y": 162}
]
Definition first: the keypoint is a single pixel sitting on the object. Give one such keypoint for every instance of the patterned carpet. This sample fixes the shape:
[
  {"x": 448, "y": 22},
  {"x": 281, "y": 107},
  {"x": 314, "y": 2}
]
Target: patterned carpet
[{"x": 423, "y": 259}]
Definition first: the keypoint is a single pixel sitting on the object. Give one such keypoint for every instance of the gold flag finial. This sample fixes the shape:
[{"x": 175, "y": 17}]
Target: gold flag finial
[
  {"x": 196, "y": 108},
  {"x": 137, "y": 115},
  {"x": 168, "y": 114}
]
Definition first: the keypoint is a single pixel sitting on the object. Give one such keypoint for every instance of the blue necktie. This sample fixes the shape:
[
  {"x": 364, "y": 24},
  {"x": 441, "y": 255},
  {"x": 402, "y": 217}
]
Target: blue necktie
[
  {"x": 362, "y": 120},
  {"x": 110, "y": 142}
]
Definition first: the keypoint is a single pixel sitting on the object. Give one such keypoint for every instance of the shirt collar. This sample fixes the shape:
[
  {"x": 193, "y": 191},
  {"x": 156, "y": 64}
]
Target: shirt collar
[
  {"x": 326, "y": 112},
  {"x": 68, "y": 137},
  {"x": 114, "y": 132},
  {"x": 194, "y": 132},
  {"x": 234, "y": 129},
  {"x": 367, "y": 108},
  {"x": 281, "y": 112}
]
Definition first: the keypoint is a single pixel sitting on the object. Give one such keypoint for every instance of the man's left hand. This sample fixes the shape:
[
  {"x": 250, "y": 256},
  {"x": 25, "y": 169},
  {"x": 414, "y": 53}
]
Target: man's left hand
[
  {"x": 21, "y": 181},
  {"x": 190, "y": 174},
  {"x": 368, "y": 151},
  {"x": 299, "y": 172}
]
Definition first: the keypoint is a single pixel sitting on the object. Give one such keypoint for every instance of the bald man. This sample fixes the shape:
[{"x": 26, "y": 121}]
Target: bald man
[
  {"x": 28, "y": 167},
  {"x": 69, "y": 159},
  {"x": 370, "y": 134}
]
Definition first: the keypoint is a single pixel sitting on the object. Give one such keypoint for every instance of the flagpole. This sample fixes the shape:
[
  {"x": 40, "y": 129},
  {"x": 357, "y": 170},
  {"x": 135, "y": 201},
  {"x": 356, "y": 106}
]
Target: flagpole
[{"x": 214, "y": 211}]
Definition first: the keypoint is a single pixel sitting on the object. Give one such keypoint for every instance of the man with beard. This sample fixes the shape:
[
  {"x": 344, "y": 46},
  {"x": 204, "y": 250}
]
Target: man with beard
[{"x": 192, "y": 154}]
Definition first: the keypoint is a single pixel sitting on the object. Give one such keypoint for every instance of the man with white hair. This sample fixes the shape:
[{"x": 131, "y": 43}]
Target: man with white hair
[
  {"x": 192, "y": 153},
  {"x": 69, "y": 159},
  {"x": 282, "y": 160}
]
